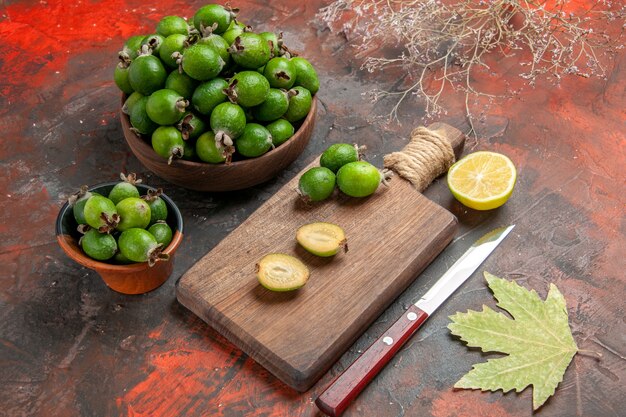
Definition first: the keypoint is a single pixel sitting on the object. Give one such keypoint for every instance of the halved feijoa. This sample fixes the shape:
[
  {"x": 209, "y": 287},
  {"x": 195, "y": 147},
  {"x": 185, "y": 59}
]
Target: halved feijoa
[
  {"x": 322, "y": 239},
  {"x": 280, "y": 272}
]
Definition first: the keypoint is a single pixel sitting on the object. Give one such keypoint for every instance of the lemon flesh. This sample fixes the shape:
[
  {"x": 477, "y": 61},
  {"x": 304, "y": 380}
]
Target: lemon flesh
[
  {"x": 482, "y": 180},
  {"x": 321, "y": 239},
  {"x": 280, "y": 272}
]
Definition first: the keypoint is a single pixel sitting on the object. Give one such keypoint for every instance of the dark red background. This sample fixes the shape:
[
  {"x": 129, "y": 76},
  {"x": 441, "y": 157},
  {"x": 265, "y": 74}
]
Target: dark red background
[{"x": 69, "y": 346}]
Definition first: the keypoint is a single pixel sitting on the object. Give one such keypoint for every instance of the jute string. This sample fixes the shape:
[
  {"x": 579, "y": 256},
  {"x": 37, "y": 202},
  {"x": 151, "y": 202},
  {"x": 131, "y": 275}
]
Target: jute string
[{"x": 424, "y": 158}]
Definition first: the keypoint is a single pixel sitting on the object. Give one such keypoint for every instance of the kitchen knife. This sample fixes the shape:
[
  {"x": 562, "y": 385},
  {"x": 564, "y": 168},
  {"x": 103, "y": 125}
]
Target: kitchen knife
[{"x": 345, "y": 388}]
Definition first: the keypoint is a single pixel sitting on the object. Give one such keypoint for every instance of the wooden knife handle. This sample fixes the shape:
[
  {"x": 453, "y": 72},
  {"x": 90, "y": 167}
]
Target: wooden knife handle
[{"x": 347, "y": 386}]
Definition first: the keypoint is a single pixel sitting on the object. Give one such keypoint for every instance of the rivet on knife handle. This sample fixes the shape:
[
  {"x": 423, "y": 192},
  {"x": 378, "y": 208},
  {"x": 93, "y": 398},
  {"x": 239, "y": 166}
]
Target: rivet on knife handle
[{"x": 351, "y": 382}]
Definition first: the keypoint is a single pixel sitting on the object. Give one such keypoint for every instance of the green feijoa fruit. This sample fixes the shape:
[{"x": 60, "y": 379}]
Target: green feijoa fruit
[
  {"x": 316, "y": 184},
  {"x": 120, "y": 76},
  {"x": 218, "y": 44},
  {"x": 138, "y": 245},
  {"x": 208, "y": 95},
  {"x": 146, "y": 73},
  {"x": 141, "y": 123},
  {"x": 133, "y": 212},
  {"x": 100, "y": 212},
  {"x": 248, "y": 89},
  {"x": 281, "y": 130},
  {"x": 182, "y": 83},
  {"x": 209, "y": 151},
  {"x": 254, "y": 141},
  {"x": 250, "y": 50},
  {"x": 167, "y": 141},
  {"x": 172, "y": 44},
  {"x": 154, "y": 42},
  {"x": 201, "y": 62},
  {"x": 306, "y": 75},
  {"x": 130, "y": 102},
  {"x": 77, "y": 201},
  {"x": 299, "y": 104},
  {"x": 358, "y": 179},
  {"x": 227, "y": 121},
  {"x": 210, "y": 14},
  {"x": 338, "y": 155},
  {"x": 171, "y": 25},
  {"x": 280, "y": 73},
  {"x": 235, "y": 29},
  {"x": 124, "y": 189},
  {"x": 166, "y": 107},
  {"x": 275, "y": 105},
  {"x": 274, "y": 41},
  {"x": 158, "y": 208},
  {"x": 161, "y": 232},
  {"x": 191, "y": 127},
  {"x": 98, "y": 246},
  {"x": 132, "y": 46}
]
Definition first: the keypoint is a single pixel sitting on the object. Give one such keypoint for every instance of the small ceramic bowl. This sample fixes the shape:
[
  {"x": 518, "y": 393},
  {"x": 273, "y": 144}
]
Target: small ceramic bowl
[
  {"x": 136, "y": 278},
  {"x": 201, "y": 176}
]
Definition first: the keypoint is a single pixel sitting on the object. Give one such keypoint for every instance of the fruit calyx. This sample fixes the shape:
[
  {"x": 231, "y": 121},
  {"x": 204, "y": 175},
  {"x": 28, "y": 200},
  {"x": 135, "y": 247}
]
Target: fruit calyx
[
  {"x": 286, "y": 52},
  {"x": 152, "y": 195},
  {"x": 185, "y": 126},
  {"x": 176, "y": 152},
  {"x": 225, "y": 142},
  {"x": 230, "y": 91},
  {"x": 84, "y": 191},
  {"x": 182, "y": 104},
  {"x": 236, "y": 47},
  {"x": 234, "y": 11},
  {"x": 125, "y": 59},
  {"x": 130, "y": 178},
  {"x": 146, "y": 49},
  {"x": 156, "y": 254},
  {"x": 111, "y": 222},
  {"x": 178, "y": 58}
]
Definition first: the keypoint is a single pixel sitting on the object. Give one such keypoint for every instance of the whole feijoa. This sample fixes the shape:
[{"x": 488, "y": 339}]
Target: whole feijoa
[
  {"x": 98, "y": 246},
  {"x": 208, "y": 95},
  {"x": 154, "y": 42},
  {"x": 275, "y": 105},
  {"x": 208, "y": 150},
  {"x": 358, "y": 179},
  {"x": 161, "y": 232},
  {"x": 170, "y": 25},
  {"x": 339, "y": 154},
  {"x": 228, "y": 121},
  {"x": 248, "y": 88},
  {"x": 201, "y": 62},
  {"x": 218, "y": 44},
  {"x": 234, "y": 29},
  {"x": 124, "y": 189},
  {"x": 167, "y": 142},
  {"x": 306, "y": 75},
  {"x": 281, "y": 130},
  {"x": 191, "y": 127},
  {"x": 280, "y": 72},
  {"x": 212, "y": 14},
  {"x": 133, "y": 212},
  {"x": 158, "y": 208},
  {"x": 146, "y": 73},
  {"x": 139, "y": 245},
  {"x": 100, "y": 212},
  {"x": 182, "y": 83},
  {"x": 140, "y": 121},
  {"x": 166, "y": 107},
  {"x": 316, "y": 184},
  {"x": 274, "y": 41},
  {"x": 120, "y": 76},
  {"x": 299, "y": 104},
  {"x": 254, "y": 141},
  {"x": 250, "y": 50},
  {"x": 132, "y": 46},
  {"x": 172, "y": 44},
  {"x": 130, "y": 102}
]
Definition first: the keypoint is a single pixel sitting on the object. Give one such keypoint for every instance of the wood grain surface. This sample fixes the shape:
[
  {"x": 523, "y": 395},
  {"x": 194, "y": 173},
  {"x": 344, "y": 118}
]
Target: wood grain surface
[{"x": 392, "y": 236}]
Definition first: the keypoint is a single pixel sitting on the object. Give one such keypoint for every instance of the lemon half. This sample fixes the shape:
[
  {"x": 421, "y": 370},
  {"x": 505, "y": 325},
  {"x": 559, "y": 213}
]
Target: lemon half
[{"x": 482, "y": 180}]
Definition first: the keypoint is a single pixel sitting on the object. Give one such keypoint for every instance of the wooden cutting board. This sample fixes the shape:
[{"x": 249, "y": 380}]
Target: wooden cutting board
[{"x": 392, "y": 236}]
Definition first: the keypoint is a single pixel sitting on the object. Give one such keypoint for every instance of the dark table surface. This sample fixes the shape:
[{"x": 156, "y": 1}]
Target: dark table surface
[{"x": 69, "y": 346}]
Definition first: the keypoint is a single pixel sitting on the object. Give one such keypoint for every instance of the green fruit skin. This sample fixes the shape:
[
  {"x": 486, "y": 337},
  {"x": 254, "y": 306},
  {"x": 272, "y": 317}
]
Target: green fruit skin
[
  {"x": 162, "y": 233},
  {"x": 218, "y": 44},
  {"x": 121, "y": 259},
  {"x": 271, "y": 37},
  {"x": 133, "y": 45},
  {"x": 256, "y": 52},
  {"x": 146, "y": 74},
  {"x": 228, "y": 118},
  {"x": 208, "y": 95},
  {"x": 198, "y": 126},
  {"x": 134, "y": 212},
  {"x": 358, "y": 179},
  {"x": 167, "y": 141},
  {"x": 254, "y": 141},
  {"x": 94, "y": 207},
  {"x": 251, "y": 88},
  {"x": 78, "y": 209},
  {"x": 131, "y": 101},
  {"x": 212, "y": 13},
  {"x": 207, "y": 151},
  {"x": 154, "y": 41},
  {"x": 171, "y": 25},
  {"x": 299, "y": 105},
  {"x": 121, "y": 191},
  {"x": 158, "y": 210},
  {"x": 183, "y": 84},
  {"x": 280, "y": 72},
  {"x": 275, "y": 105},
  {"x": 162, "y": 109},
  {"x": 338, "y": 155},
  {"x": 136, "y": 243},
  {"x": 231, "y": 34},
  {"x": 139, "y": 118},
  {"x": 98, "y": 246},
  {"x": 306, "y": 75},
  {"x": 317, "y": 183},
  {"x": 173, "y": 43},
  {"x": 120, "y": 77},
  {"x": 281, "y": 130},
  {"x": 201, "y": 62}
]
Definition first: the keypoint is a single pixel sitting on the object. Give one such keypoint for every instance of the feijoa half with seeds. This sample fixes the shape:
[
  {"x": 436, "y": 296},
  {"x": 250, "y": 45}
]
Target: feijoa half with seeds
[
  {"x": 280, "y": 272},
  {"x": 322, "y": 239}
]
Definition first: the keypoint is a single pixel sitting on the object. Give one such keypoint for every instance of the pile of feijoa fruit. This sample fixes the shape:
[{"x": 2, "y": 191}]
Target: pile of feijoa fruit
[
  {"x": 211, "y": 89},
  {"x": 122, "y": 227}
]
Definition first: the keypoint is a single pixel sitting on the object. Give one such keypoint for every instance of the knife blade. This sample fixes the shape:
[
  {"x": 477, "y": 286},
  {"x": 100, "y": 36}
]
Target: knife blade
[{"x": 345, "y": 388}]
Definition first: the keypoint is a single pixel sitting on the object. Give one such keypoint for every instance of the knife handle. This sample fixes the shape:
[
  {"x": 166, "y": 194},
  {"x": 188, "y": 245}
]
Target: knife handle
[{"x": 347, "y": 386}]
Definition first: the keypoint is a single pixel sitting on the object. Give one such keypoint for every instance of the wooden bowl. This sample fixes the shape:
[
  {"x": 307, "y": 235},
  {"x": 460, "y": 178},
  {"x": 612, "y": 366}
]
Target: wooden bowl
[
  {"x": 202, "y": 176},
  {"x": 137, "y": 278}
]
